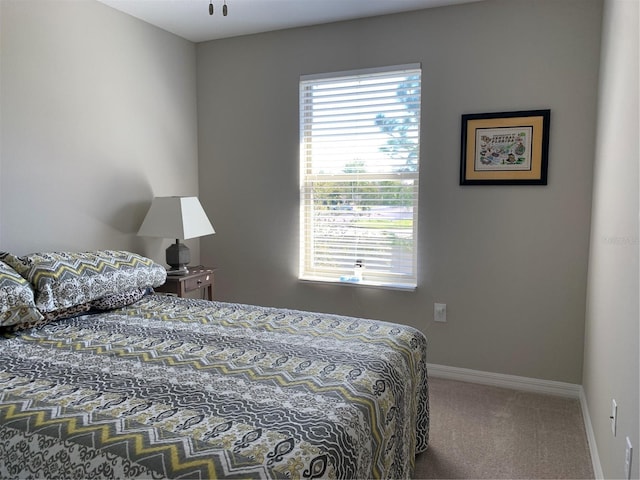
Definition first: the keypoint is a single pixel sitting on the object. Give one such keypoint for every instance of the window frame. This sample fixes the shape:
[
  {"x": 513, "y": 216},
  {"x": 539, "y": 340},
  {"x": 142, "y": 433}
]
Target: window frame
[{"x": 309, "y": 272}]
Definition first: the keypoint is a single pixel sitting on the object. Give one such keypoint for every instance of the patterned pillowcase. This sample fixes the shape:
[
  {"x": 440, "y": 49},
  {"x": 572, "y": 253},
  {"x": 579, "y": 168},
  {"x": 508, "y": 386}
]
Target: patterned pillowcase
[
  {"x": 65, "y": 279},
  {"x": 110, "y": 302},
  {"x": 119, "y": 300},
  {"x": 48, "y": 317},
  {"x": 16, "y": 298}
]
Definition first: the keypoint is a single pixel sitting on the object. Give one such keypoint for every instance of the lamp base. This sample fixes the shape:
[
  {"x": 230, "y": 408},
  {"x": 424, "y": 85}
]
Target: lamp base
[
  {"x": 177, "y": 273},
  {"x": 178, "y": 257}
]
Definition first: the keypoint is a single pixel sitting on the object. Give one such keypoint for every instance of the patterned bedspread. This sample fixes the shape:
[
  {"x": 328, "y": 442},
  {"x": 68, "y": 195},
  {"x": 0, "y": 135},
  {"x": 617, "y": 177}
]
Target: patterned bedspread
[{"x": 178, "y": 388}]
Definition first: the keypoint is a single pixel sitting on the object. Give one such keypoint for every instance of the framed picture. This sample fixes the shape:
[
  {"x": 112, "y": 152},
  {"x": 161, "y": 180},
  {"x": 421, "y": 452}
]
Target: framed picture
[{"x": 507, "y": 148}]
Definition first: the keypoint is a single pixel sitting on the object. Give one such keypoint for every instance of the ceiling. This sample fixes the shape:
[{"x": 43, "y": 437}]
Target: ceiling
[{"x": 190, "y": 19}]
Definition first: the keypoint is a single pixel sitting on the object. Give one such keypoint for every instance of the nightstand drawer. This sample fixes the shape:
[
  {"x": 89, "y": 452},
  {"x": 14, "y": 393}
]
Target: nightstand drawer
[
  {"x": 200, "y": 282},
  {"x": 198, "y": 279}
]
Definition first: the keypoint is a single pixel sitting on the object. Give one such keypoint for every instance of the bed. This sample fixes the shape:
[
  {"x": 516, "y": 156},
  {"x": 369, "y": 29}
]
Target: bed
[{"x": 101, "y": 378}]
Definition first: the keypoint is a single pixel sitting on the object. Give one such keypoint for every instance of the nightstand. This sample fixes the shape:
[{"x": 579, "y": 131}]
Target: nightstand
[{"x": 198, "y": 278}]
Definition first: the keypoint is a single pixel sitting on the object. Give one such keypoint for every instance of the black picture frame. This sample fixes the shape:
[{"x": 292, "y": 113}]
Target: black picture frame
[{"x": 505, "y": 148}]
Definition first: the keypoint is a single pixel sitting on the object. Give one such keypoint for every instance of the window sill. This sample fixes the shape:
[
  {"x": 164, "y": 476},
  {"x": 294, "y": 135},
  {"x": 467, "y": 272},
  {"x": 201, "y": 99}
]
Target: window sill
[{"x": 361, "y": 283}]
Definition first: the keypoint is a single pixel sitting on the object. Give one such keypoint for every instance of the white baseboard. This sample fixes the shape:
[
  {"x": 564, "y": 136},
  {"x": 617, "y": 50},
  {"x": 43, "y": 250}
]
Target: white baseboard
[
  {"x": 535, "y": 385},
  {"x": 515, "y": 382},
  {"x": 591, "y": 437}
]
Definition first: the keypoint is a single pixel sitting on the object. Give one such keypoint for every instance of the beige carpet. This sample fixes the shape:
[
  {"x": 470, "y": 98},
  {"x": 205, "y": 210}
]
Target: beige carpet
[{"x": 479, "y": 431}]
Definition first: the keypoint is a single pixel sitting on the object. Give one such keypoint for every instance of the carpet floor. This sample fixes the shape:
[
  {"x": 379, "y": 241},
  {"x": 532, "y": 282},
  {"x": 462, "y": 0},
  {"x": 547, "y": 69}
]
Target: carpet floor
[{"x": 479, "y": 431}]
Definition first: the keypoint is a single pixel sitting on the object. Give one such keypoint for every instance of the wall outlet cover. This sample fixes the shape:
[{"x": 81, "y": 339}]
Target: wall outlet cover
[
  {"x": 440, "y": 312},
  {"x": 627, "y": 460}
]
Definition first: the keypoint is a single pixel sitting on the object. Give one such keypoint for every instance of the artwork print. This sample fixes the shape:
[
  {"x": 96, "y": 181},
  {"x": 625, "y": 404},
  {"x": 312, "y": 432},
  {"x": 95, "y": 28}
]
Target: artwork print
[{"x": 503, "y": 149}]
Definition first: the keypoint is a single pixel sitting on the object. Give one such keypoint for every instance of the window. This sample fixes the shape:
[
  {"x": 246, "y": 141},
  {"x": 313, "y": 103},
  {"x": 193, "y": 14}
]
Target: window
[{"x": 359, "y": 165}]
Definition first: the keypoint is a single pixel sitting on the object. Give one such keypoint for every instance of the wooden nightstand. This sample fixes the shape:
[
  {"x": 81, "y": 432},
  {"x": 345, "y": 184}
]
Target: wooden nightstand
[{"x": 198, "y": 278}]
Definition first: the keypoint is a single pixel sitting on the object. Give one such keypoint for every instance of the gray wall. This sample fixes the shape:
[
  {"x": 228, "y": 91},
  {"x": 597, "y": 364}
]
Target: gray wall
[
  {"x": 98, "y": 116},
  {"x": 510, "y": 262},
  {"x": 612, "y": 336}
]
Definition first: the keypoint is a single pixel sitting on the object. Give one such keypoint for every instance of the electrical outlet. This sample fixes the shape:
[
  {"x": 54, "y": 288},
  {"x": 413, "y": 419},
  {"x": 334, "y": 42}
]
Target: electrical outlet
[
  {"x": 627, "y": 460},
  {"x": 440, "y": 312},
  {"x": 614, "y": 416}
]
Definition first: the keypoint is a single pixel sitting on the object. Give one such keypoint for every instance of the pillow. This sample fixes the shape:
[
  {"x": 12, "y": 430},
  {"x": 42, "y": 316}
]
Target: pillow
[
  {"x": 16, "y": 298},
  {"x": 110, "y": 302},
  {"x": 65, "y": 279},
  {"x": 48, "y": 317},
  {"x": 118, "y": 300}
]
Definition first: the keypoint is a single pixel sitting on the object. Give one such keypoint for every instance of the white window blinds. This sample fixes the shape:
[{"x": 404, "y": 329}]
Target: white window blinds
[{"x": 359, "y": 165}]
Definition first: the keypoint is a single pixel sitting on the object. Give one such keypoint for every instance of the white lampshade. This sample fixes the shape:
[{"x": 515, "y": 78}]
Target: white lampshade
[{"x": 176, "y": 217}]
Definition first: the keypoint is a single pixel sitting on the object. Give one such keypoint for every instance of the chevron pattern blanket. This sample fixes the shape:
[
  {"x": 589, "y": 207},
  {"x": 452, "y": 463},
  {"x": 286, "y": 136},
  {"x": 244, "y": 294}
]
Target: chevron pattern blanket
[{"x": 179, "y": 388}]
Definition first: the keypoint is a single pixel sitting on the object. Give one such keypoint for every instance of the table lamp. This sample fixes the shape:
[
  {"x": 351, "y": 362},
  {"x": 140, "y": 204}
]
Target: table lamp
[{"x": 180, "y": 218}]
